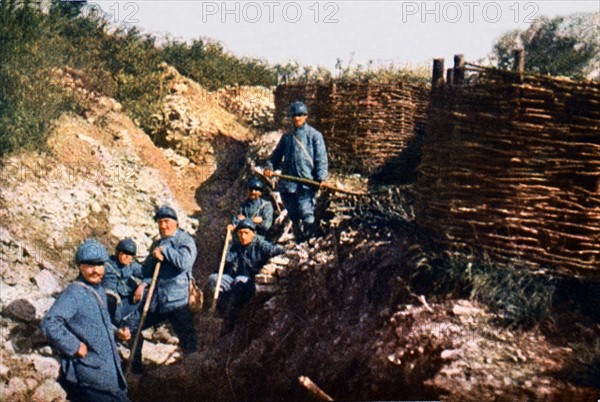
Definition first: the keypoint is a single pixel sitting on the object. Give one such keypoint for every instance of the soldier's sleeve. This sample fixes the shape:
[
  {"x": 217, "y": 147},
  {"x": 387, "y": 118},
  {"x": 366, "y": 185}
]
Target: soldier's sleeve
[
  {"x": 276, "y": 157},
  {"x": 181, "y": 254},
  {"x": 267, "y": 215},
  {"x": 320, "y": 160},
  {"x": 55, "y": 324}
]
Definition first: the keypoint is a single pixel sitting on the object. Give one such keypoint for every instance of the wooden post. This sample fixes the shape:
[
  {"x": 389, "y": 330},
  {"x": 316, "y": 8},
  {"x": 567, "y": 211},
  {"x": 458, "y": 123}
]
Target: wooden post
[
  {"x": 450, "y": 76},
  {"x": 314, "y": 388},
  {"x": 459, "y": 69},
  {"x": 519, "y": 66},
  {"x": 437, "y": 81}
]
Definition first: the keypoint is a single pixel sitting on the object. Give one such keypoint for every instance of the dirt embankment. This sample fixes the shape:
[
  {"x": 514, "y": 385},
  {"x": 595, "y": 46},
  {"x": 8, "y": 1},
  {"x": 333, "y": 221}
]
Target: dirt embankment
[
  {"x": 102, "y": 177},
  {"x": 344, "y": 315}
]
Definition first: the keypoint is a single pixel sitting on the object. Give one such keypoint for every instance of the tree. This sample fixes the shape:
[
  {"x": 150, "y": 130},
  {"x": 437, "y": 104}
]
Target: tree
[{"x": 561, "y": 46}]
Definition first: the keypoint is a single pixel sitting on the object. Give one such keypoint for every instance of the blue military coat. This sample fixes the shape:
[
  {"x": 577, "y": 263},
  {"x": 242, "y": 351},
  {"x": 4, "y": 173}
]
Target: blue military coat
[
  {"x": 248, "y": 260},
  {"x": 256, "y": 208},
  {"x": 122, "y": 280},
  {"x": 301, "y": 152},
  {"x": 172, "y": 290},
  {"x": 80, "y": 315}
]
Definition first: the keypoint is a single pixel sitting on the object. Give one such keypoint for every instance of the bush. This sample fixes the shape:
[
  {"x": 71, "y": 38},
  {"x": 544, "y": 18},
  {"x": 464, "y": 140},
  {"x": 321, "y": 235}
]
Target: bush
[{"x": 518, "y": 296}]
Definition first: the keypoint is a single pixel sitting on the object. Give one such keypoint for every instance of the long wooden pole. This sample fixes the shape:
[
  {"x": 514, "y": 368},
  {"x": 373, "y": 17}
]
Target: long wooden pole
[
  {"x": 317, "y": 184},
  {"x": 221, "y": 268},
  {"x": 143, "y": 318}
]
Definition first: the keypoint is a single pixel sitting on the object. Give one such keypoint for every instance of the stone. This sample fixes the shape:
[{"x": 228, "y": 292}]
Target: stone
[
  {"x": 42, "y": 306},
  {"x": 95, "y": 207},
  {"x": 46, "y": 282},
  {"x": 15, "y": 385},
  {"x": 46, "y": 366},
  {"x": 4, "y": 371},
  {"x": 159, "y": 354},
  {"x": 21, "y": 310},
  {"x": 49, "y": 390}
]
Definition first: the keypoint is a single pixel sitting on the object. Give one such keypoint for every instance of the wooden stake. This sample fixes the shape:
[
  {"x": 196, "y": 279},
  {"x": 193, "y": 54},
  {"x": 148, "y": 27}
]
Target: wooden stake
[{"x": 312, "y": 387}]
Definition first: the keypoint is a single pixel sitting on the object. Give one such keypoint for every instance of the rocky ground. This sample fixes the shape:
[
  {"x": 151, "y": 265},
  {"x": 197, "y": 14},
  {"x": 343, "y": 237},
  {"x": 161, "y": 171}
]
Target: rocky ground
[{"x": 341, "y": 310}]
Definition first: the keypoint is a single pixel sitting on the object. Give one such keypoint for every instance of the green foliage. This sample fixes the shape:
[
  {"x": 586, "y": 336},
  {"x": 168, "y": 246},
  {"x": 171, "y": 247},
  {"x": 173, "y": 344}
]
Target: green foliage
[
  {"x": 29, "y": 98},
  {"x": 562, "y": 46},
  {"x": 208, "y": 64},
  {"x": 123, "y": 64},
  {"x": 520, "y": 297}
]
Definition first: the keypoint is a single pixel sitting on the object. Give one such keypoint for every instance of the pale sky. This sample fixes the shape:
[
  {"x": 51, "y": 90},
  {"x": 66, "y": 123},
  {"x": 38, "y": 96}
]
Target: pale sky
[{"x": 318, "y": 32}]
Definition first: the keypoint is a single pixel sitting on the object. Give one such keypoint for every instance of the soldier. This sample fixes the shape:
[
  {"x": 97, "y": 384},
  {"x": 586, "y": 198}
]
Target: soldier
[
  {"x": 255, "y": 208},
  {"x": 78, "y": 326},
  {"x": 244, "y": 260},
  {"x": 176, "y": 251},
  {"x": 301, "y": 152},
  {"x": 122, "y": 278}
]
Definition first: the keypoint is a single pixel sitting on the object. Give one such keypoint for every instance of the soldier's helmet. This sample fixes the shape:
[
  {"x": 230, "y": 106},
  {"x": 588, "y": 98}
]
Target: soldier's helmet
[
  {"x": 255, "y": 184},
  {"x": 298, "y": 109},
  {"x": 91, "y": 252},
  {"x": 127, "y": 246}
]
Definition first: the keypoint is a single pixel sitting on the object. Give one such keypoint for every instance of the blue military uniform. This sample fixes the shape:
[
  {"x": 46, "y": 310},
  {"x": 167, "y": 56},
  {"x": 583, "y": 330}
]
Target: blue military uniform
[
  {"x": 256, "y": 208},
  {"x": 171, "y": 297},
  {"x": 120, "y": 281},
  {"x": 79, "y": 315},
  {"x": 241, "y": 266},
  {"x": 301, "y": 152}
]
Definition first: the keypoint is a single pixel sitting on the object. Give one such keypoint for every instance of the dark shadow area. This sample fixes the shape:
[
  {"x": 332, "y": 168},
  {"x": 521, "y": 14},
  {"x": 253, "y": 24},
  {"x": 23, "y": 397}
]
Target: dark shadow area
[
  {"x": 403, "y": 168},
  {"x": 218, "y": 197}
]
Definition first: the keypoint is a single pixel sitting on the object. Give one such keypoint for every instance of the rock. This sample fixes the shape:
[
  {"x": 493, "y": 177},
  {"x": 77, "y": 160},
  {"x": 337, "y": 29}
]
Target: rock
[
  {"x": 451, "y": 354},
  {"x": 49, "y": 390},
  {"x": 45, "y": 351},
  {"x": 95, "y": 207},
  {"x": 42, "y": 306},
  {"x": 4, "y": 371},
  {"x": 466, "y": 310},
  {"x": 21, "y": 310},
  {"x": 15, "y": 385},
  {"x": 46, "y": 366},
  {"x": 46, "y": 282},
  {"x": 159, "y": 354}
]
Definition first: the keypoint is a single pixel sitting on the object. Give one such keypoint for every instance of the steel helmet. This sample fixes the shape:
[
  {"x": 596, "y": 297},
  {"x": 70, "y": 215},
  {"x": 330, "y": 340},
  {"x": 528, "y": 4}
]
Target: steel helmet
[{"x": 298, "y": 109}]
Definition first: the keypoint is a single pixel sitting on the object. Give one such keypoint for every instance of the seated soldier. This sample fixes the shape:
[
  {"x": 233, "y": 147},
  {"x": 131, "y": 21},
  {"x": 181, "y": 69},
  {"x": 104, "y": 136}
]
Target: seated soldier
[
  {"x": 244, "y": 260},
  {"x": 255, "y": 208},
  {"x": 122, "y": 277}
]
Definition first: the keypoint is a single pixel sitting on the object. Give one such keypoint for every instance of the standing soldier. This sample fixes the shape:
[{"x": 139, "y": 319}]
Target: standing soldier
[
  {"x": 176, "y": 251},
  {"x": 122, "y": 278},
  {"x": 78, "y": 326},
  {"x": 301, "y": 152},
  {"x": 255, "y": 208}
]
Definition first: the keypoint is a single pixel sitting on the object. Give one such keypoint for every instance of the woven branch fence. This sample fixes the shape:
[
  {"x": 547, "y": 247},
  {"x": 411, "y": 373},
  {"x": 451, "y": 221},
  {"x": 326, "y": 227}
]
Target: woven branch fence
[
  {"x": 511, "y": 167},
  {"x": 366, "y": 126}
]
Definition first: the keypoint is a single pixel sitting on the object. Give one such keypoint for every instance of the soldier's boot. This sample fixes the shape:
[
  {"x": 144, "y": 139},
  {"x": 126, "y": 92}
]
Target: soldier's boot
[
  {"x": 298, "y": 229},
  {"x": 309, "y": 230}
]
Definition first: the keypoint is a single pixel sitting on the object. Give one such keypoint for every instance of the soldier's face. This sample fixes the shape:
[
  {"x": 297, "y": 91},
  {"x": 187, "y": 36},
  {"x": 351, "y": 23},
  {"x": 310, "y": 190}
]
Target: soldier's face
[
  {"x": 92, "y": 273},
  {"x": 299, "y": 120},
  {"x": 124, "y": 259},
  {"x": 246, "y": 236},
  {"x": 254, "y": 194},
  {"x": 167, "y": 227}
]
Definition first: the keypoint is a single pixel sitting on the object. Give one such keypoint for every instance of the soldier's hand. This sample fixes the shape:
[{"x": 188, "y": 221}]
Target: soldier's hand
[
  {"x": 268, "y": 173},
  {"x": 139, "y": 292},
  {"x": 241, "y": 217},
  {"x": 258, "y": 220},
  {"x": 123, "y": 334},
  {"x": 230, "y": 227},
  {"x": 82, "y": 351},
  {"x": 158, "y": 254}
]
